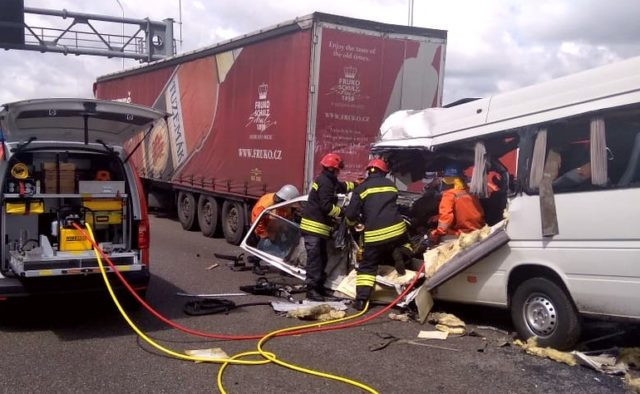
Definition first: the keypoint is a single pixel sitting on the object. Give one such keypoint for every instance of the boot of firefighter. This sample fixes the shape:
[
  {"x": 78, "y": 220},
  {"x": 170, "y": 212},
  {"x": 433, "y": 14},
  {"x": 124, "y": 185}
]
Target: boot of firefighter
[{"x": 363, "y": 293}]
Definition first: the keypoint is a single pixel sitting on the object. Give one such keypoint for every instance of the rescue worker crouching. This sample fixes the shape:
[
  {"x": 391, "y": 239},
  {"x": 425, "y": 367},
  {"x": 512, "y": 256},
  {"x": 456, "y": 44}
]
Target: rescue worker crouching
[
  {"x": 317, "y": 221},
  {"x": 373, "y": 203},
  {"x": 268, "y": 230},
  {"x": 459, "y": 211}
]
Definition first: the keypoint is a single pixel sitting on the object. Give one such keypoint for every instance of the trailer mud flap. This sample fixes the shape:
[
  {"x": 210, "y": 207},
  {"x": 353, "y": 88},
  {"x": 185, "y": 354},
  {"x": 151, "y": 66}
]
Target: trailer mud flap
[{"x": 468, "y": 257}]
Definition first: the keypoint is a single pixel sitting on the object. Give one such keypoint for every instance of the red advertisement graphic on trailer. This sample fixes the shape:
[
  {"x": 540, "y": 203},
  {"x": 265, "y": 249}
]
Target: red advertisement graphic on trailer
[
  {"x": 362, "y": 82},
  {"x": 257, "y": 139}
]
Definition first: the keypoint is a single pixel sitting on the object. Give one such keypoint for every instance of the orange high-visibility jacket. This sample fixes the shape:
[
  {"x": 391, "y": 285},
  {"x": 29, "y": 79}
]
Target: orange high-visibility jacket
[
  {"x": 459, "y": 212},
  {"x": 262, "y": 229}
]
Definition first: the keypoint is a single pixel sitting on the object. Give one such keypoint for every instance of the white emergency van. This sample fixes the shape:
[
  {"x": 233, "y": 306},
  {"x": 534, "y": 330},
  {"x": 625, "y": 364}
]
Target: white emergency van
[{"x": 62, "y": 163}]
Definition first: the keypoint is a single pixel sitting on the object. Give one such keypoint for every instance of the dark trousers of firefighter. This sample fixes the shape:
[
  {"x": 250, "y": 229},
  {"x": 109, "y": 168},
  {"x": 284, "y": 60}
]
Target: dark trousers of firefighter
[
  {"x": 316, "y": 248},
  {"x": 372, "y": 256}
]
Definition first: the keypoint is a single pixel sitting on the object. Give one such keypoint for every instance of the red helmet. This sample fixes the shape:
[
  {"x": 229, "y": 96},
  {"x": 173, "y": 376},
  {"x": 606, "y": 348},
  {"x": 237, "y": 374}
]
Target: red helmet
[
  {"x": 332, "y": 160},
  {"x": 379, "y": 164}
]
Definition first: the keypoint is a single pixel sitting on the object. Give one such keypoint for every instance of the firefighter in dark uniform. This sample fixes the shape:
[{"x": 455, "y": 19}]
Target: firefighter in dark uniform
[
  {"x": 317, "y": 221},
  {"x": 373, "y": 203}
]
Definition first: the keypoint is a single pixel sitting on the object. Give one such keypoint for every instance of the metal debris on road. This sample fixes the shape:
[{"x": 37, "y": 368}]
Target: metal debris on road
[
  {"x": 283, "y": 306},
  {"x": 598, "y": 339},
  {"x": 212, "y": 266},
  {"x": 492, "y": 329},
  {"x": 605, "y": 362},
  {"x": 389, "y": 339},
  {"x": 182, "y": 294}
]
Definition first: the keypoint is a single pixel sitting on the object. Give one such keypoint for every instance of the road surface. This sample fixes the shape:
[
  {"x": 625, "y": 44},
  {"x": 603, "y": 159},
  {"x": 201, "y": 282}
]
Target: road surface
[{"x": 81, "y": 344}]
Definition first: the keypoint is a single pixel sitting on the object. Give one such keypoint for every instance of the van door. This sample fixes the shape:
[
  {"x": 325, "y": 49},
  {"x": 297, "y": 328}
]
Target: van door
[{"x": 74, "y": 120}]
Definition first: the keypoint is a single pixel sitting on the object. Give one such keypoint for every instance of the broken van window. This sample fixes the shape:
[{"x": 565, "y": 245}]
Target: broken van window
[
  {"x": 623, "y": 147},
  {"x": 277, "y": 234}
]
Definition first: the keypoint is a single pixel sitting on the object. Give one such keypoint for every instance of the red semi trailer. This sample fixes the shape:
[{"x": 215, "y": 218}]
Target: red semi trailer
[{"x": 256, "y": 112}]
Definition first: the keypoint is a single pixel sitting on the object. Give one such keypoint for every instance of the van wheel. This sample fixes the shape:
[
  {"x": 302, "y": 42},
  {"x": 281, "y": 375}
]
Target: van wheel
[
  {"x": 208, "y": 215},
  {"x": 187, "y": 211},
  {"x": 233, "y": 221},
  {"x": 542, "y": 309}
]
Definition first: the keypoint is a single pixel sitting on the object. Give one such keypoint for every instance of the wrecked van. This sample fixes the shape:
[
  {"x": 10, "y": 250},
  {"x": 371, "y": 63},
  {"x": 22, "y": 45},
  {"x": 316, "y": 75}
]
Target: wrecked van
[
  {"x": 62, "y": 163},
  {"x": 559, "y": 163},
  {"x": 557, "y": 169}
]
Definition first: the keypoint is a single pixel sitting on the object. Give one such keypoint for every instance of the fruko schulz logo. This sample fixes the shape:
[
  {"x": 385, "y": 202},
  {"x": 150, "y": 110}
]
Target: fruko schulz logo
[
  {"x": 157, "y": 153},
  {"x": 348, "y": 87},
  {"x": 261, "y": 115}
]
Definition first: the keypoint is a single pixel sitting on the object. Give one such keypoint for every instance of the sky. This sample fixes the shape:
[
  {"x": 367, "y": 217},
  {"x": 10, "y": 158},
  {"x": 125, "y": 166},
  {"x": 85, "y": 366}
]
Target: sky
[{"x": 493, "y": 45}]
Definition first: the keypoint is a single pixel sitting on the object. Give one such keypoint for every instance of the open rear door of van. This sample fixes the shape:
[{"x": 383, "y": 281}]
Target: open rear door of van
[{"x": 74, "y": 120}]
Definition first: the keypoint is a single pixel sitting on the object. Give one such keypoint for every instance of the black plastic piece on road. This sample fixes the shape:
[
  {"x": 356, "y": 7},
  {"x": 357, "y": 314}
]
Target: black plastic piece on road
[{"x": 210, "y": 306}]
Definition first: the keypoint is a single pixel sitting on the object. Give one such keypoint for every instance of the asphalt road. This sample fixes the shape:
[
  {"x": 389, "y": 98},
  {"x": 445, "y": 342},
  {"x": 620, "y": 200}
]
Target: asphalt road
[{"x": 81, "y": 343}]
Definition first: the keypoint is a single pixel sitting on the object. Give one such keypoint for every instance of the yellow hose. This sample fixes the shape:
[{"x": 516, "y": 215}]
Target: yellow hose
[
  {"x": 271, "y": 356},
  {"x": 268, "y": 356},
  {"x": 20, "y": 171},
  {"x": 163, "y": 349}
]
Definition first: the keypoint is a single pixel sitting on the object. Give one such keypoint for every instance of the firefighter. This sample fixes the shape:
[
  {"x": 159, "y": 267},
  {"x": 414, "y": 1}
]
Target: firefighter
[
  {"x": 317, "y": 220},
  {"x": 459, "y": 211},
  {"x": 268, "y": 231},
  {"x": 373, "y": 203}
]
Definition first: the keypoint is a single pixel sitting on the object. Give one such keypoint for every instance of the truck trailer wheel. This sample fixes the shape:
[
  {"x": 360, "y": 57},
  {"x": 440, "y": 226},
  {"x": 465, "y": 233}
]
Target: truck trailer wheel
[
  {"x": 233, "y": 221},
  {"x": 208, "y": 213},
  {"x": 542, "y": 309},
  {"x": 187, "y": 211}
]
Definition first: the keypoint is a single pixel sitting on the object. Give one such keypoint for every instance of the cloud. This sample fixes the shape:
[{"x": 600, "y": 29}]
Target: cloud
[{"x": 493, "y": 45}]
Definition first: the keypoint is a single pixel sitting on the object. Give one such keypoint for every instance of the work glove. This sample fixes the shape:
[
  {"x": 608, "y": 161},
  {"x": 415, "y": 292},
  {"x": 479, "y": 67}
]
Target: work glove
[
  {"x": 400, "y": 256},
  {"x": 400, "y": 267},
  {"x": 435, "y": 235}
]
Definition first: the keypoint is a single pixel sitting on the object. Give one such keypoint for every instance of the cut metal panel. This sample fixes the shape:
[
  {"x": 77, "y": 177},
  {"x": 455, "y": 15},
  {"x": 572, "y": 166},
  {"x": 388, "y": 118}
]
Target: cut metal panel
[{"x": 468, "y": 257}]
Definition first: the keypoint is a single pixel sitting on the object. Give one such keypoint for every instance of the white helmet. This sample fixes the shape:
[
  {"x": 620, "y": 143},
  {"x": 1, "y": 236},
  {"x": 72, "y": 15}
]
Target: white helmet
[{"x": 287, "y": 192}]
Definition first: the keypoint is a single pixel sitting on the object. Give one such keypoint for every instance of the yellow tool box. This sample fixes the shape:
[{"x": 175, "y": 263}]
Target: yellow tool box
[
  {"x": 104, "y": 211},
  {"x": 24, "y": 207},
  {"x": 72, "y": 239}
]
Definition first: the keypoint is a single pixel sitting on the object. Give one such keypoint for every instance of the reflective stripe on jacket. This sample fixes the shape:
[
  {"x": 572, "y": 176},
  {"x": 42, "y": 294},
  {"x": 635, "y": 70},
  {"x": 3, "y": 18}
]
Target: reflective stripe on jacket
[
  {"x": 459, "y": 211},
  {"x": 374, "y": 204},
  {"x": 322, "y": 205}
]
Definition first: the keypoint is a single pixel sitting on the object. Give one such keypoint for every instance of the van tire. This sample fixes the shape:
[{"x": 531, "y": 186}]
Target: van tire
[
  {"x": 187, "y": 210},
  {"x": 208, "y": 213},
  {"x": 233, "y": 221},
  {"x": 541, "y": 308}
]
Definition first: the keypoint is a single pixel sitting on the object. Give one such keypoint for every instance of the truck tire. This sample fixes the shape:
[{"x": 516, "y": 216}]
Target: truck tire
[
  {"x": 233, "y": 221},
  {"x": 541, "y": 308},
  {"x": 187, "y": 211},
  {"x": 208, "y": 213}
]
